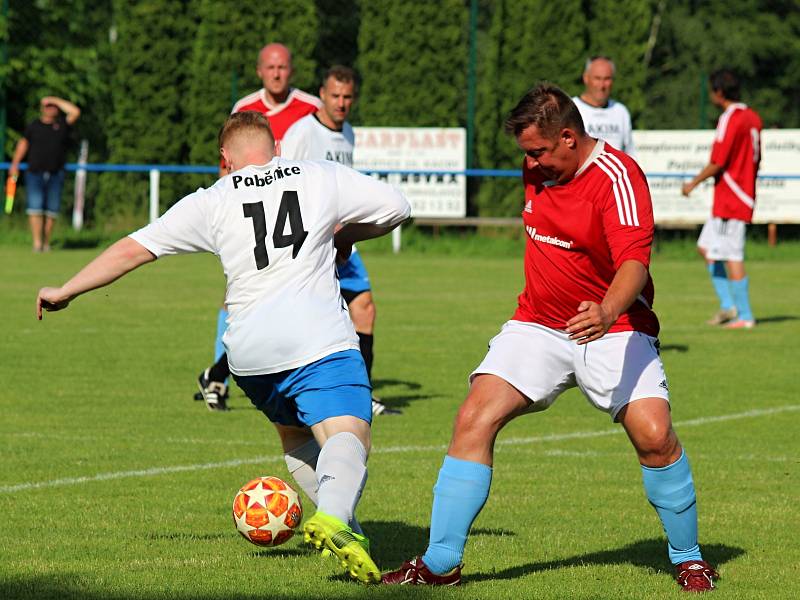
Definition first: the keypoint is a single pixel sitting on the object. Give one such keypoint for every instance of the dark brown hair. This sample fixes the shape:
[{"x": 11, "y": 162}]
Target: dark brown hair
[
  {"x": 342, "y": 74},
  {"x": 549, "y": 108},
  {"x": 726, "y": 82}
]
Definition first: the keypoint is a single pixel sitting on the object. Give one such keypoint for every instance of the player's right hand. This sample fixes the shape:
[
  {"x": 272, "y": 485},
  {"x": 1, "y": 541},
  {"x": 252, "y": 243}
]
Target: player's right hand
[{"x": 51, "y": 299}]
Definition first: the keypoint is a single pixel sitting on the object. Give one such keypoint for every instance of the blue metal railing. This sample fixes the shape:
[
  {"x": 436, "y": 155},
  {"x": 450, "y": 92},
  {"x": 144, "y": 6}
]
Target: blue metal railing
[{"x": 141, "y": 168}]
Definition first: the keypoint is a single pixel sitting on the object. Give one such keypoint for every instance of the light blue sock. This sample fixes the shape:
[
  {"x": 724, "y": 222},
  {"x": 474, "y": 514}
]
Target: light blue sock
[
  {"x": 719, "y": 278},
  {"x": 670, "y": 490},
  {"x": 458, "y": 497},
  {"x": 741, "y": 296},
  {"x": 222, "y": 326}
]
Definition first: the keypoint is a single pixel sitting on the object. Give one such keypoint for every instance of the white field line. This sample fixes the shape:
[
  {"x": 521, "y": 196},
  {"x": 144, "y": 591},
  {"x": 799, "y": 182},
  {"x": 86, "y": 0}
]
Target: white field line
[{"x": 556, "y": 437}]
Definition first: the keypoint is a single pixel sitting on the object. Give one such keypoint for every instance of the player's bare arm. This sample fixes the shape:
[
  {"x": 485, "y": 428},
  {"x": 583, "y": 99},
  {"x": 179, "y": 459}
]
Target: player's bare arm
[
  {"x": 70, "y": 110},
  {"x": 120, "y": 258},
  {"x": 710, "y": 170},
  {"x": 351, "y": 233},
  {"x": 594, "y": 320}
]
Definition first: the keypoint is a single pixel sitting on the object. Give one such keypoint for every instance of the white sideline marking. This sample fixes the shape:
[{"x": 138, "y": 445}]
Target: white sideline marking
[
  {"x": 8, "y": 489},
  {"x": 139, "y": 473}
]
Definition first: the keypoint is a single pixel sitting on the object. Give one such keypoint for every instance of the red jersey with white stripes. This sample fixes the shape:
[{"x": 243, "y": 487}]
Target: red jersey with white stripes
[
  {"x": 737, "y": 149},
  {"x": 578, "y": 235},
  {"x": 297, "y": 105}
]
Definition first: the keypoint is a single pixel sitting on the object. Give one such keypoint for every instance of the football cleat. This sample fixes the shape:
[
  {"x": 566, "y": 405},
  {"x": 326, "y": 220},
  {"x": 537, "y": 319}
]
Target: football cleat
[
  {"x": 416, "y": 572},
  {"x": 722, "y": 316},
  {"x": 696, "y": 576},
  {"x": 327, "y": 532},
  {"x": 379, "y": 408},
  {"x": 361, "y": 539},
  {"x": 215, "y": 393},
  {"x": 740, "y": 324}
]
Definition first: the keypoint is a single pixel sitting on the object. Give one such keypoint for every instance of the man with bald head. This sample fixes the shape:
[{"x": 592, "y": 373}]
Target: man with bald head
[
  {"x": 281, "y": 103},
  {"x": 291, "y": 344},
  {"x": 604, "y": 118}
]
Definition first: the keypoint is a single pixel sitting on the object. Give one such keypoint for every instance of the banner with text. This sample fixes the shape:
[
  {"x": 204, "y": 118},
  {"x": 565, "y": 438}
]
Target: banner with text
[
  {"x": 669, "y": 158},
  {"x": 418, "y": 148}
]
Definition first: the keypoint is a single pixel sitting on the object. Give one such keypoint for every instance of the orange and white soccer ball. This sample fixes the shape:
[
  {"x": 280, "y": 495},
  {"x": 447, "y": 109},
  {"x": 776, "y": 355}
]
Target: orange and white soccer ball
[{"x": 267, "y": 511}]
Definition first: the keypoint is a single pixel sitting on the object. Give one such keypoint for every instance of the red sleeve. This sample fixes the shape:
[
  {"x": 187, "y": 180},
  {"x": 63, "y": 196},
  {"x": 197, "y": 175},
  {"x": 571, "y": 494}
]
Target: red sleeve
[
  {"x": 723, "y": 145},
  {"x": 628, "y": 217}
]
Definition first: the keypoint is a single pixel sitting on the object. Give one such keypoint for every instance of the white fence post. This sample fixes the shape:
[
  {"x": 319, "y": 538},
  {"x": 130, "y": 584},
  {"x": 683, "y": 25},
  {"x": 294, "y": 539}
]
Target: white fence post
[
  {"x": 80, "y": 187},
  {"x": 155, "y": 176},
  {"x": 396, "y": 239}
]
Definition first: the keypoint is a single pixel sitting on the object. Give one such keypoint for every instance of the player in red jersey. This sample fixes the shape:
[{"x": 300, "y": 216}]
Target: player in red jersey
[
  {"x": 283, "y": 104},
  {"x": 584, "y": 319},
  {"x": 735, "y": 157}
]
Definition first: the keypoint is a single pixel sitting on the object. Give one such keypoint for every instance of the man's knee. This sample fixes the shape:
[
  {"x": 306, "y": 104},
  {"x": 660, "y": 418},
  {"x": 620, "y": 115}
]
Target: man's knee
[
  {"x": 657, "y": 445},
  {"x": 293, "y": 437},
  {"x": 490, "y": 404}
]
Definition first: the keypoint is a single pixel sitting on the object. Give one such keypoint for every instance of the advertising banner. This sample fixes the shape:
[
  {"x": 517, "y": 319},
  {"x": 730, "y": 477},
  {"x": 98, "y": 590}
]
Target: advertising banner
[{"x": 418, "y": 148}]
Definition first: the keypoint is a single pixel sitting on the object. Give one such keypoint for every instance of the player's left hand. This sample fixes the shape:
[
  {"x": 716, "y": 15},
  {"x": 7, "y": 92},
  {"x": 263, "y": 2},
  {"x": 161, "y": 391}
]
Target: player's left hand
[
  {"x": 590, "y": 324},
  {"x": 51, "y": 299},
  {"x": 687, "y": 188}
]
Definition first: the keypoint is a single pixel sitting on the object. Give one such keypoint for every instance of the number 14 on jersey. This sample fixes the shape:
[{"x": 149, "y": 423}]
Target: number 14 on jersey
[{"x": 289, "y": 207}]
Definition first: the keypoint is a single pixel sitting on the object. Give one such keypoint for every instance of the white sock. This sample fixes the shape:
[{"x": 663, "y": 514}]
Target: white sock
[
  {"x": 302, "y": 464},
  {"x": 342, "y": 473}
]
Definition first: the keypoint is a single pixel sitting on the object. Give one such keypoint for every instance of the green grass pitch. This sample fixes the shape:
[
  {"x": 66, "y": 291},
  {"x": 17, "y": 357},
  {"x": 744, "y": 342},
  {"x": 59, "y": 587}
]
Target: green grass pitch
[{"x": 114, "y": 484}]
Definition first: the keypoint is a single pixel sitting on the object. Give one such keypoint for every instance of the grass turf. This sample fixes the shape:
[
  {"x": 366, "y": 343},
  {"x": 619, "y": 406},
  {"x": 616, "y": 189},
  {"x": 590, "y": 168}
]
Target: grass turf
[{"x": 115, "y": 484}]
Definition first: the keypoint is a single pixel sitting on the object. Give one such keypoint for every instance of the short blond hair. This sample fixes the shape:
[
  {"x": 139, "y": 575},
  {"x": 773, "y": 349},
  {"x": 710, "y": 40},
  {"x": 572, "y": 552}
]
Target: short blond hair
[{"x": 248, "y": 121}]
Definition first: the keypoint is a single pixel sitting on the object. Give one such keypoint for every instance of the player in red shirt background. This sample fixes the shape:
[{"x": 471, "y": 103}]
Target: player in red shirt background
[
  {"x": 735, "y": 157},
  {"x": 282, "y": 104},
  {"x": 584, "y": 319}
]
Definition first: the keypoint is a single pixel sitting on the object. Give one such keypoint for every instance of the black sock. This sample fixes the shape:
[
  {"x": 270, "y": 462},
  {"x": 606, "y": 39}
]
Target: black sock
[
  {"x": 365, "y": 342},
  {"x": 220, "y": 371}
]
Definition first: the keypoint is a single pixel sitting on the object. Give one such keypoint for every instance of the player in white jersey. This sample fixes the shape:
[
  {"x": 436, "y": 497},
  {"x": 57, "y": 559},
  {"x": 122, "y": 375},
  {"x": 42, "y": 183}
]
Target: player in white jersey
[
  {"x": 291, "y": 344},
  {"x": 604, "y": 118},
  {"x": 326, "y": 135}
]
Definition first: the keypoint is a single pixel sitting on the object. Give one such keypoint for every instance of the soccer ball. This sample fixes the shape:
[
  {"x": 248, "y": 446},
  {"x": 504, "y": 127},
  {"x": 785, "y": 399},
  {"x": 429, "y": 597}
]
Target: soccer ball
[{"x": 267, "y": 511}]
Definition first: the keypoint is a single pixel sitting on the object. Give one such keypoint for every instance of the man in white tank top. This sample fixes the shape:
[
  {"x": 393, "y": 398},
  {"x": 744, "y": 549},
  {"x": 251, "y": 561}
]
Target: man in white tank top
[
  {"x": 604, "y": 118},
  {"x": 326, "y": 135}
]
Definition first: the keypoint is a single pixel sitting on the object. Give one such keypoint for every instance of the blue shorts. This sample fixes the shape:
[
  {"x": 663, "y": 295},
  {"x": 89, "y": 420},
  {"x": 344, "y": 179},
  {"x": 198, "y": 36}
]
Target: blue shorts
[
  {"x": 43, "y": 191},
  {"x": 334, "y": 386},
  {"x": 353, "y": 275}
]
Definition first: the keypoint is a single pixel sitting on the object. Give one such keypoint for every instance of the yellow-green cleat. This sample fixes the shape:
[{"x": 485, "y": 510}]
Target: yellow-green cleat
[
  {"x": 361, "y": 539},
  {"x": 326, "y": 532}
]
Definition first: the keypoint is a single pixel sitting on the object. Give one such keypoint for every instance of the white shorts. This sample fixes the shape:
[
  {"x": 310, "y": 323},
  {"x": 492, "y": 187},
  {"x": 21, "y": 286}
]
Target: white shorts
[
  {"x": 542, "y": 363},
  {"x": 723, "y": 239}
]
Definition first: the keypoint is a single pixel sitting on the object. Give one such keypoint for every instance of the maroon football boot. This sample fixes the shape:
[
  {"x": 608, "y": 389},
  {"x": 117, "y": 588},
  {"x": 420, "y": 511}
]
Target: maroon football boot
[
  {"x": 696, "y": 576},
  {"x": 415, "y": 572}
]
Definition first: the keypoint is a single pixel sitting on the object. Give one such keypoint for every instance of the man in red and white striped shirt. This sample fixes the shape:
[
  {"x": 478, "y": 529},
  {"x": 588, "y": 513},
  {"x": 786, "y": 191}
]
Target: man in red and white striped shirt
[
  {"x": 735, "y": 157},
  {"x": 584, "y": 319},
  {"x": 282, "y": 104}
]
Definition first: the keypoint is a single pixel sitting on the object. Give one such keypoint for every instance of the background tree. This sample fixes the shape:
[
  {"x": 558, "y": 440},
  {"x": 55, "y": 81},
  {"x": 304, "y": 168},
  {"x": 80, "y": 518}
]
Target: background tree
[
  {"x": 149, "y": 53},
  {"x": 412, "y": 57},
  {"x": 528, "y": 41},
  {"x": 156, "y": 78},
  {"x": 620, "y": 30},
  {"x": 224, "y": 56}
]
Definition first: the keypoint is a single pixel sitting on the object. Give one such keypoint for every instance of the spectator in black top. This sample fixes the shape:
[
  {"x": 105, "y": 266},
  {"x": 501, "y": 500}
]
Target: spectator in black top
[{"x": 45, "y": 142}]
